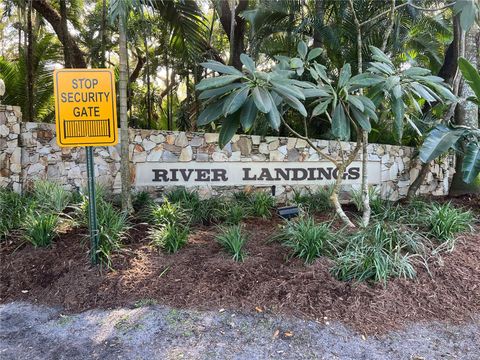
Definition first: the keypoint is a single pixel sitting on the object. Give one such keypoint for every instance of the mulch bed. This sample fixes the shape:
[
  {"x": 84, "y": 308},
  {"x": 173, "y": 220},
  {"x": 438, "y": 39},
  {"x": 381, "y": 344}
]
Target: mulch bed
[{"x": 202, "y": 276}]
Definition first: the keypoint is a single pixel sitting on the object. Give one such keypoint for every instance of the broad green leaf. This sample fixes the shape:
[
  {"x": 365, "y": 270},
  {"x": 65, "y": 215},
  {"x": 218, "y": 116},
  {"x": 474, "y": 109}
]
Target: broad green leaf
[
  {"x": 397, "y": 91},
  {"x": 221, "y": 68},
  {"x": 314, "y": 53},
  {"x": 294, "y": 103},
  {"x": 313, "y": 73},
  {"x": 216, "y": 82},
  {"x": 398, "y": 108},
  {"x": 468, "y": 11},
  {"x": 362, "y": 119},
  {"x": 274, "y": 118},
  {"x": 356, "y": 102},
  {"x": 471, "y": 162},
  {"x": 235, "y": 100},
  {"x": 422, "y": 91},
  {"x": 302, "y": 49},
  {"x": 211, "y": 113},
  {"x": 366, "y": 80},
  {"x": 296, "y": 63},
  {"x": 382, "y": 68},
  {"x": 248, "y": 62},
  {"x": 320, "y": 108},
  {"x": 207, "y": 94},
  {"x": 229, "y": 127},
  {"x": 340, "y": 124},
  {"x": 345, "y": 75},
  {"x": 379, "y": 55},
  {"x": 438, "y": 141},
  {"x": 321, "y": 70},
  {"x": 288, "y": 89},
  {"x": 248, "y": 114},
  {"x": 391, "y": 82},
  {"x": 444, "y": 92},
  {"x": 262, "y": 99},
  {"x": 416, "y": 71},
  {"x": 302, "y": 84},
  {"x": 471, "y": 75},
  {"x": 309, "y": 93}
]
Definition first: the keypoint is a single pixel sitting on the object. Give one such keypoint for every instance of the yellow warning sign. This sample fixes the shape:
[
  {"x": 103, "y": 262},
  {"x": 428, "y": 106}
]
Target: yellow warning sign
[{"x": 85, "y": 107}]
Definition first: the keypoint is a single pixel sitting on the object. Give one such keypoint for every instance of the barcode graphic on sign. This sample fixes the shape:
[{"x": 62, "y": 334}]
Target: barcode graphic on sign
[{"x": 86, "y": 128}]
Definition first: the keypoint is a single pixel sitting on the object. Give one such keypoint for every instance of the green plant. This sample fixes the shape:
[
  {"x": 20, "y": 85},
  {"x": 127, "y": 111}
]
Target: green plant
[
  {"x": 113, "y": 226},
  {"x": 445, "y": 221},
  {"x": 307, "y": 239},
  {"x": 233, "y": 240},
  {"x": 167, "y": 213},
  {"x": 40, "y": 228},
  {"x": 13, "y": 210},
  {"x": 261, "y": 204},
  {"x": 357, "y": 199},
  {"x": 170, "y": 237},
  {"x": 234, "y": 213},
  {"x": 377, "y": 253},
  {"x": 142, "y": 200},
  {"x": 51, "y": 196},
  {"x": 317, "y": 201},
  {"x": 181, "y": 195}
]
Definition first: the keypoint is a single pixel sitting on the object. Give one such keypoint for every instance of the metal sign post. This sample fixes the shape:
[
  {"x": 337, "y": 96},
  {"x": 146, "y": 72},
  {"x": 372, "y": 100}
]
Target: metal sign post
[
  {"x": 85, "y": 114},
  {"x": 92, "y": 207}
]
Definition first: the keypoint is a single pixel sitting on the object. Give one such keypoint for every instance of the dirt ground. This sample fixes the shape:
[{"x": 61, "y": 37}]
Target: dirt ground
[
  {"x": 158, "y": 332},
  {"x": 202, "y": 277}
]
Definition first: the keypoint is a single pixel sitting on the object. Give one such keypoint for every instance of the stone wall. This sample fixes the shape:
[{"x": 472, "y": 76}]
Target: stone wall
[{"x": 30, "y": 151}]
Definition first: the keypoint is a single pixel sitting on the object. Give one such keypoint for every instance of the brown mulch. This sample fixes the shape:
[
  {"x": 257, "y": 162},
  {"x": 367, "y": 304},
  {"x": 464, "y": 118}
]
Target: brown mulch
[{"x": 202, "y": 276}]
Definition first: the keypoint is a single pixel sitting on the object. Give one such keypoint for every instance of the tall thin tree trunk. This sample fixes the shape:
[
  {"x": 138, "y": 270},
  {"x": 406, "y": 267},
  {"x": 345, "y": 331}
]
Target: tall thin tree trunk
[
  {"x": 67, "y": 54},
  {"x": 103, "y": 33},
  {"x": 232, "y": 31},
  {"x": 318, "y": 24},
  {"x": 124, "y": 136},
  {"x": 29, "y": 60}
]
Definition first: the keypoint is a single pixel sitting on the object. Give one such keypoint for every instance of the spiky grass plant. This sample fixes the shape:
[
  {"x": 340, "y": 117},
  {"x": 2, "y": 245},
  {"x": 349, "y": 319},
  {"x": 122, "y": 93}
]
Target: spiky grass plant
[
  {"x": 234, "y": 213},
  {"x": 167, "y": 213},
  {"x": 262, "y": 204},
  {"x": 40, "y": 228},
  {"x": 50, "y": 196},
  {"x": 14, "y": 208},
  {"x": 376, "y": 253},
  {"x": 317, "y": 201},
  {"x": 357, "y": 196},
  {"x": 307, "y": 239},
  {"x": 444, "y": 221},
  {"x": 233, "y": 239},
  {"x": 169, "y": 237}
]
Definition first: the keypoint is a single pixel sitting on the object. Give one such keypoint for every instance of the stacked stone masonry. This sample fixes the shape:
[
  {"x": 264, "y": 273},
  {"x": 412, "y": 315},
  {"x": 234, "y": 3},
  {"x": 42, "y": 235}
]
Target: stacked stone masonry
[{"x": 29, "y": 151}]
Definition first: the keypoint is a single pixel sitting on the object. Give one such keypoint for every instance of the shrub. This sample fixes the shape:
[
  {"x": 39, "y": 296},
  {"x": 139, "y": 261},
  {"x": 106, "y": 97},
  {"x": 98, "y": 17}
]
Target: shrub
[
  {"x": 13, "y": 211},
  {"x": 376, "y": 253},
  {"x": 444, "y": 221},
  {"x": 183, "y": 196},
  {"x": 233, "y": 240},
  {"x": 142, "y": 200},
  {"x": 166, "y": 213},
  {"x": 307, "y": 239},
  {"x": 50, "y": 196},
  {"x": 316, "y": 201},
  {"x": 170, "y": 237},
  {"x": 262, "y": 204},
  {"x": 113, "y": 228},
  {"x": 40, "y": 228},
  {"x": 234, "y": 213},
  {"x": 357, "y": 197}
]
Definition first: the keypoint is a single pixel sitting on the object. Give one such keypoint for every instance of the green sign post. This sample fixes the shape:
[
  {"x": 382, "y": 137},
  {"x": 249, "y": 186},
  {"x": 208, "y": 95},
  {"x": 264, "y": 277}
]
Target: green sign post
[{"x": 92, "y": 207}]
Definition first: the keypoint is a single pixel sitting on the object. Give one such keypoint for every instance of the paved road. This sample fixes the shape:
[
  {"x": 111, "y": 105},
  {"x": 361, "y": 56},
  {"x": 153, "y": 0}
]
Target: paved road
[{"x": 156, "y": 332}]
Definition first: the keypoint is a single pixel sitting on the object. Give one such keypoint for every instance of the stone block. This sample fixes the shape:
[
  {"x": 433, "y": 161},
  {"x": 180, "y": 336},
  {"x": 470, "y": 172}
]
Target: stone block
[
  {"x": 211, "y": 137},
  {"x": 186, "y": 154},
  {"x": 181, "y": 140}
]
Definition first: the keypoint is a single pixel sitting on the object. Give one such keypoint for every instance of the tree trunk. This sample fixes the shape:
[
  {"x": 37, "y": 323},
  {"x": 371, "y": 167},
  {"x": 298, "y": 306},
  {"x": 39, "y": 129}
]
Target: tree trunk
[
  {"x": 124, "y": 137},
  {"x": 237, "y": 45},
  {"x": 67, "y": 56},
  {"x": 54, "y": 19},
  {"x": 318, "y": 23},
  {"x": 466, "y": 113},
  {"x": 103, "y": 33},
  {"x": 29, "y": 61}
]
